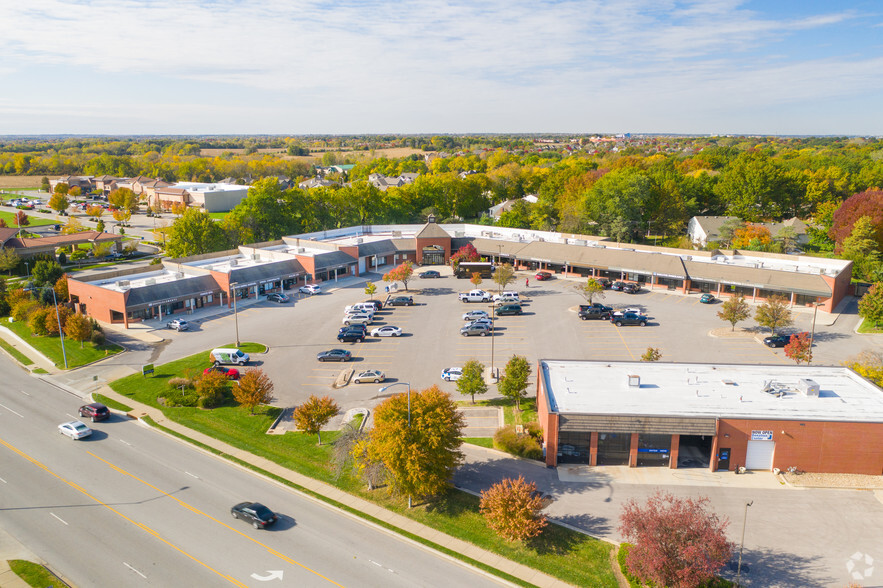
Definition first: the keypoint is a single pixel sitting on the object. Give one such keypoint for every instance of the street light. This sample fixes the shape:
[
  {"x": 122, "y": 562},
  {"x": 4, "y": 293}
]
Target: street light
[
  {"x": 235, "y": 314},
  {"x": 408, "y": 384},
  {"x": 28, "y": 272},
  {"x": 58, "y": 318},
  {"x": 812, "y": 332},
  {"x": 742, "y": 546}
]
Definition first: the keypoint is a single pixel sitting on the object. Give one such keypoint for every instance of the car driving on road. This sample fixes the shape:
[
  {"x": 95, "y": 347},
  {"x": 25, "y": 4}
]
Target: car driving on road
[
  {"x": 95, "y": 411},
  {"x": 254, "y": 513},
  {"x": 74, "y": 429}
]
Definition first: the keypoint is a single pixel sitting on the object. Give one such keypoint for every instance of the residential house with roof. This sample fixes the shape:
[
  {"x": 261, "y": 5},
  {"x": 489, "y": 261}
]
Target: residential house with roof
[{"x": 706, "y": 229}]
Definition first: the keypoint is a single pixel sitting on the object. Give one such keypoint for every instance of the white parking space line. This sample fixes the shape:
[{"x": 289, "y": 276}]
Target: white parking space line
[{"x": 59, "y": 518}]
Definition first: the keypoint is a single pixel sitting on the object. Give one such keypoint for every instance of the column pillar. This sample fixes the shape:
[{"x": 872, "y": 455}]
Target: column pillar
[
  {"x": 633, "y": 451},
  {"x": 593, "y": 449},
  {"x": 673, "y": 454}
]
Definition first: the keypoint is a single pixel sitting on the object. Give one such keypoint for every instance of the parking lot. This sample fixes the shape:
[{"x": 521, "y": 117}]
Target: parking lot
[{"x": 679, "y": 327}]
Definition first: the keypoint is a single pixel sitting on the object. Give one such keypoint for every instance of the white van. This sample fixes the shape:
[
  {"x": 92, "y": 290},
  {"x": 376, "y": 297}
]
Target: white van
[{"x": 230, "y": 355}]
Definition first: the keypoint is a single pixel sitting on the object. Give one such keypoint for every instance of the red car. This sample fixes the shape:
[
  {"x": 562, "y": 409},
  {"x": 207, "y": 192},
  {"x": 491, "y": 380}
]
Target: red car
[
  {"x": 542, "y": 276},
  {"x": 231, "y": 373}
]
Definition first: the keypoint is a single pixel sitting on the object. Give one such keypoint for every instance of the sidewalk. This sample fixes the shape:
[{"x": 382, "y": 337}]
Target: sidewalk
[
  {"x": 10, "y": 548},
  {"x": 40, "y": 360},
  {"x": 486, "y": 557}
]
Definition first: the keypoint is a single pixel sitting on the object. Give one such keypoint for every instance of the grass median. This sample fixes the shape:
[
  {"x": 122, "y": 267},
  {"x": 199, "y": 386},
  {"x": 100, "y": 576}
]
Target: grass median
[
  {"x": 51, "y": 347},
  {"x": 568, "y": 555}
]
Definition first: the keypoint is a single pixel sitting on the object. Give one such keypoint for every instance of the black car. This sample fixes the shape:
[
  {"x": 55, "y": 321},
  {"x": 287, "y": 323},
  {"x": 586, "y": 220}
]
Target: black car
[
  {"x": 631, "y": 288},
  {"x": 604, "y": 282},
  {"x": 378, "y": 305},
  {"x": 629, "y": 318},
  {"x": 777, "y": 340},
  {"x": 95, "y": 411},
  {"x": 358, "y": 327},
  {"x": 255, "y": 513},
  {"x": 401, "y": 301},
  {"x": 350, "y": 336},
  {"x": 618, "y": 286},
  {"x": 429, "y": 274}
]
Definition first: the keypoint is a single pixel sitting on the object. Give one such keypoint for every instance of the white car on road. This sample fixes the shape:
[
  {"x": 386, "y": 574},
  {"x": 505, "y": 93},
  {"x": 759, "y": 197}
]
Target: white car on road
[
  {"x": 74, "y": 429},
  {"x": 386, "y": 331}
]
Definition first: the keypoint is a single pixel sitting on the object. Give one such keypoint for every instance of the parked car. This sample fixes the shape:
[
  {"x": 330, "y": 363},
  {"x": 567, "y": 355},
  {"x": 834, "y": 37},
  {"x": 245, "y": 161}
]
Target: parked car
[
  {"x": 475, "y": 296},
  {"x": 617, "y": 286},
  {"x": 255, "y": 513},
  {"x": 310, "y": 289},
  {"x": 375, "y": 376},
  {"x": 628, "y": 318},
  {"x": 508, "y": 295},
  {"x": 543, "y": 276},
  {"x": 278, "y": 297},
  {"x": 451, "y": 374},
  {"x": 351, "y": 335},
  {"x": 362, "y": 307},
  {"x": 483, "y": 321},
  {"x": 401, "y": 301},
  {"x": 95, "y": 411},
  {"x": 631, "y": 288},
  {"x": 378, "y": 305},
  {"x": 474, "y": 314},
  {"x": 357, "y": 319},
  {"x": 777, "y": 340},
  {"x": 231, "y": 373},
  {"x": 334, "y": 355},
  {"x": 631, "y": 309},
  {"x": 604, "y": 282},
  {"x": 361, "y": 328},
  {"x": 474, "y": 329},
  {"x": 707, "y": 298},
  {"x": 178, "y": 325},
  {"x": 359, "y": 311},
  {"x": 75, "y": 430},
  {"x": 508, "y": 309},
  {"x": 588, "y": 313},
  {"x": 386, "y": 331},
  {"x": 429, "y": 274}
]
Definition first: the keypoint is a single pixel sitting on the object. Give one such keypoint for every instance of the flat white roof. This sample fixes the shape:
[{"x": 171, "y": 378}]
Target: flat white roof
[
  {"x": 230, "y": 262},
  {"x": 123, "y": 283},
  {"x": 706, "y": 390},
  {"x": 206, "y": 187}
]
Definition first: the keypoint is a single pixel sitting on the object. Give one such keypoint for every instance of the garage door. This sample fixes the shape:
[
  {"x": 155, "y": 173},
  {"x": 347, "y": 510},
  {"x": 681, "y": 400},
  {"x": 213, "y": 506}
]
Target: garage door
[{"x": 760, "y": 455}]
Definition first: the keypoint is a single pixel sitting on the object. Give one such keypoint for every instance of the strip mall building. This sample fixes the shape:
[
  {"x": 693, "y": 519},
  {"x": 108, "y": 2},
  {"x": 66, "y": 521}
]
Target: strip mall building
[
  {"x": 183, "y": 285},
  {"x": 720, "y": 417}
]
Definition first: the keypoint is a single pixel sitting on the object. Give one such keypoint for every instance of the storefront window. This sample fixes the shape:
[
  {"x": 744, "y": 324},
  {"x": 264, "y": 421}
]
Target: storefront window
[{"x": 654, "y": 450}]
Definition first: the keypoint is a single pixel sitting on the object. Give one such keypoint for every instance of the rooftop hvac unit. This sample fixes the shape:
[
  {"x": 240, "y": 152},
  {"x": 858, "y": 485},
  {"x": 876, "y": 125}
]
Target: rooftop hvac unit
[
  {"x": 808, "y": 388},
  {"x": 179, "y": 276},
  {"x": 396, "y": 234},
  {"x": 301, "y": 250},
  {"x": 359, "y": 240},
  {"x": 150, "y": 282},
  {"x": 256, "y": 256},
  {"x": 634, "y": 381},
  {"x": 123, "y": 283},
  {"x": 233, "y": 263},
  {"x": 459, "y": 234}
]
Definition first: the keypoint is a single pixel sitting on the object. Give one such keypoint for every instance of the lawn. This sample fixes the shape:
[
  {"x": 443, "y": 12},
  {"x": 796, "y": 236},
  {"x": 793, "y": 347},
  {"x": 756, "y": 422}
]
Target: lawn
[
  {"x": 51, "y": 348},
  {"x": 9, "y": 217},
  {"x": 33, "y": 574},
  {"x": 218, "y": 215},
  {"x": 528, "y": 413},
  {"x": 565, "y": 554},
  {"x": 868, "y": 328},
  {"x": 18, "y": 355}
]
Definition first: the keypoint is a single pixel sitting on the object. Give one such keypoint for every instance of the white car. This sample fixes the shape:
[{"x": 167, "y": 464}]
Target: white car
[
  {"x": 513, "y": 296},
  {"x": 386, "y": 331},
  {"x": 630, "y": 309},
  {"x": 357, "y": 319},
  {"x": 74, "y": 429},
  {"x": 474, "y": 314},
  {"x": 487, "y": 321},
  {"x": 375, "y": 376},
  {"x": 310, "y": 289},
  {"x": 451, "y": 374},
  {"x": 505, "y": 300},
  {"x": 355, "y": 309}
]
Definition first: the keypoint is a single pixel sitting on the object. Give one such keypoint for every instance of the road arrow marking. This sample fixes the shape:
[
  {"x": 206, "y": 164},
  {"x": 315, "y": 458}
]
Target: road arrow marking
[{"x": 271, "y": 575}]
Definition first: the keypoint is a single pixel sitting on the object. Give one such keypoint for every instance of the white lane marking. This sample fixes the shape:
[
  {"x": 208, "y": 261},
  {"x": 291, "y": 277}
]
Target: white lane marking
[
  {"x": 126, "y": 442},
  {"x": 23, "y": 392},
  {"x": 12, "y": 411},
  {"x": 189, "y": 474},
  {"x": 134, "y": 570},
  {"x": 59, "y": 518},
  {"x": 271, "y": 575},
  {"x": 2, "y": 480}
]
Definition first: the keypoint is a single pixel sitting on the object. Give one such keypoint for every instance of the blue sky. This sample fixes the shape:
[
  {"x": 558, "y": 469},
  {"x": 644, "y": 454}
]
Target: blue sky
[{"x": 434, "y": 66}]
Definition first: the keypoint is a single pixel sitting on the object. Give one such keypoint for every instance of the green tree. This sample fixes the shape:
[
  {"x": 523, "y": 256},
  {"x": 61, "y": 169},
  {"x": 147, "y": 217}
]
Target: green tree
[
  {"x": 46, "y": 272},
  {"x": 870, "y": 306},
  {"x": 734, "y": 310},
  {"x": 652, "y": 354},
  {"x": 504, "y": 275},
  {"x": 100, "y": 226},
  {"x": 420, "y": 458},
  {"x": 773, "y": 314},
  {"x": 9, "y": 259},
  {"x": 211, "y": 388},
  {"x": 471, "y": 381},
  {"x": 79, "y": 328},
  {"x": 195, "y": 233},
  {"x": 44, "y": 184},
  {"x": 728, "y": 229},
  {"x": 314, "y": 414},
  {"x": 591, "y": 290},
  {"x": 123, "y": 198},
  {"x": 754, "y": 187},
  {"x": 787, "y": 236},
  {"x": 59, "y": 202},
  {"x": 512, "y": 509},
  {"x": 862, "y": 248},
  {"x": 616, "y": 202},
  {"x": 513, "y": 384},
  {"x": 370, "y": 289},
  {"x": 402, "y": 274},
  {"x": 255, "y": 387},
  {"x": 61, "y": 188}
]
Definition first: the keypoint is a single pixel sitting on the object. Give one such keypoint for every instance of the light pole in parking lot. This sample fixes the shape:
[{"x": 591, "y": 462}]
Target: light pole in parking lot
[
  {"x": 235, "y": 314},
  {"x": 812, "y": 332},
  {"x": 493, "y": 336},
  {"x": 742, "y": 546},
  {"x": 408, "y": 384}
]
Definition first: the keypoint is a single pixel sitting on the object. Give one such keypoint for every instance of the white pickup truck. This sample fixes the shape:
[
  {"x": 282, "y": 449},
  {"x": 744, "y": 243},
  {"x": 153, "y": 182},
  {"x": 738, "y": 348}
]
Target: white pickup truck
[{"x": 475, "y": 296}]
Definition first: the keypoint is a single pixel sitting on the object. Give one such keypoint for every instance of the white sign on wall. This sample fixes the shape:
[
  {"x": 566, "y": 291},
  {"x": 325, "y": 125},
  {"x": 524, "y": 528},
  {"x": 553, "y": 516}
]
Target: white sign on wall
[{"x": 761, "y": 435}]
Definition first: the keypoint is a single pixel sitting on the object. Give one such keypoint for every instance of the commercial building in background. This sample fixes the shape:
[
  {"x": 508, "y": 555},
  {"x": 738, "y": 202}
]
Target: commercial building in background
[{"x": 719, "y": 417}]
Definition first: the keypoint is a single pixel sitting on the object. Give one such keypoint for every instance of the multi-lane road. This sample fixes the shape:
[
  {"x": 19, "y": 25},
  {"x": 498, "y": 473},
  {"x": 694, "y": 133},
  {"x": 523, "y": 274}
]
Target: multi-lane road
[{"x": 130, "y": 506}]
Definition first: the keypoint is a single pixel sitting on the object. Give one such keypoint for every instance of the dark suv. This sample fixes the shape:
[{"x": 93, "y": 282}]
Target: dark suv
[
  {"x": 508, "y": 309},
  {"x": 351, "y": 335},
  {"x": 95, "y": 411},
  {"x": 629, "y": 318}
]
